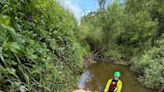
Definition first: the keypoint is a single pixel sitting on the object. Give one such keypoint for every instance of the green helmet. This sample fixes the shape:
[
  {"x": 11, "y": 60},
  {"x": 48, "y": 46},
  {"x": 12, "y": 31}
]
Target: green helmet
[{"x": 117, "y": 74}]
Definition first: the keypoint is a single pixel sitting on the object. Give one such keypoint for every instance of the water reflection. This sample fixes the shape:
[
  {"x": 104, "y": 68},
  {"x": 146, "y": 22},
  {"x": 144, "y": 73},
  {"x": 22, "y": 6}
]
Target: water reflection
[{"x": 85, "y": 78}]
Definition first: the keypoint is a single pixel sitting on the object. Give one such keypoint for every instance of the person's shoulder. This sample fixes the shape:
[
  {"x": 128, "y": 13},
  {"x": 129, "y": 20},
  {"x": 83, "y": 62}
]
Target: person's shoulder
[
  {"x": 109, "y": 80},
  {"x": 120, "y": 81}
]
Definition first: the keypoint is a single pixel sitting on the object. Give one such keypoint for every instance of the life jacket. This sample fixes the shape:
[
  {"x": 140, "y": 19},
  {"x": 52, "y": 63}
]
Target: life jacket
[{"x": 113, "y": 88}]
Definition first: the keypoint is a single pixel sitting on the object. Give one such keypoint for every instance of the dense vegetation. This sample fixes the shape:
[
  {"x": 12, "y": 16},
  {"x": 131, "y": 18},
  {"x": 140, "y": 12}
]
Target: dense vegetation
[
  {"x": 38, "y": 49},
  {"x": 131, "y": 32}
]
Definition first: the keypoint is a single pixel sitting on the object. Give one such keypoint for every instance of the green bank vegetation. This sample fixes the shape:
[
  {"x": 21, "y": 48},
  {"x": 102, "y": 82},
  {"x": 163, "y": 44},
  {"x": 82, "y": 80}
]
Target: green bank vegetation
[{"x": 38, "y": 49}]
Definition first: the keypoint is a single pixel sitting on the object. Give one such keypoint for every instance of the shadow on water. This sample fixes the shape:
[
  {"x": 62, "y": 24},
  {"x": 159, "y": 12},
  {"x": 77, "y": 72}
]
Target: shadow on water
[{"x": 96, "y": 76}]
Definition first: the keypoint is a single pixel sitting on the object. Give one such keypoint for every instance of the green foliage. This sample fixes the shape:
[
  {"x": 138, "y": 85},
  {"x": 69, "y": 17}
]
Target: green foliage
[
  {"x": 38, "y": 48},
  {"x": 150, "y": 67},
  {"x": 138, "y": 34},
  {"x": 90, "y": 31}
]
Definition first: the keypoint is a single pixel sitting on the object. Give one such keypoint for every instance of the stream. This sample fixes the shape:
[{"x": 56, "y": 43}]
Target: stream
[{"x": 95, "y": 77}]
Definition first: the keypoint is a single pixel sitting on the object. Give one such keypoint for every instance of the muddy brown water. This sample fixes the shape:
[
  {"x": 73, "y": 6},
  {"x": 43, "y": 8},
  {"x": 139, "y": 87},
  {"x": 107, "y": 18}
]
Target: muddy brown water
[{"x": 95, "y": 77}]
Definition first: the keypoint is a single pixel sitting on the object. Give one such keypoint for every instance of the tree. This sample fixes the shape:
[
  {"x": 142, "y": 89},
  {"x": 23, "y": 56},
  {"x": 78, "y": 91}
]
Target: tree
[{"x": 102, "y": 4}]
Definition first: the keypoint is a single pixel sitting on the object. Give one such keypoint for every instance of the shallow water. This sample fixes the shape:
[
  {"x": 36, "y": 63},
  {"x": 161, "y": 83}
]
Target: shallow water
[{"x": 96, "y": 76}]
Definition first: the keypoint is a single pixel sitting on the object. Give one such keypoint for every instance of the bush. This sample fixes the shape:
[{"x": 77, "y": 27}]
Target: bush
[
  {"x": 38, "y": 48},
  {"x": 150, "y": 68}
]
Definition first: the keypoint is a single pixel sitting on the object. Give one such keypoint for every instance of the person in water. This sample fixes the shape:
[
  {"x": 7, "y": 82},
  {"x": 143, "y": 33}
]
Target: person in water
[{"x": 115, "y": 84}]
